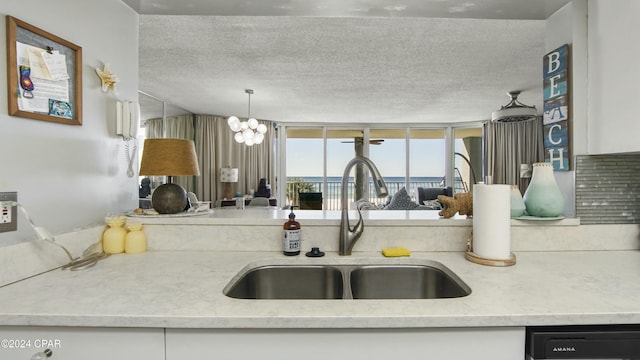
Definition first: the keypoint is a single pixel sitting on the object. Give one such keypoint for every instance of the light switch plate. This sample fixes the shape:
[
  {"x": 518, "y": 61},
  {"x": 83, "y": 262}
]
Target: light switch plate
[{"x": 12, "y": 212}]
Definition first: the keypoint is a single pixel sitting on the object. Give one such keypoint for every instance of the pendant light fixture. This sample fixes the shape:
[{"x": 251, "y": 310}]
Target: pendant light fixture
[
  {"x": 514, "y": 111},
  {"x": 249, "y": 132}
]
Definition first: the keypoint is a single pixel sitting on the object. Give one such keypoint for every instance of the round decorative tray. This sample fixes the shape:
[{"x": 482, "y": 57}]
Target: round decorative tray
[
  {"x": 537, "y": 218},
  {"x": 180, "y": 214}
]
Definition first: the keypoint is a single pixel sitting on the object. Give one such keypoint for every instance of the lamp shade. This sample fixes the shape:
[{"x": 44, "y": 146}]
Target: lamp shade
[
  {"x": 169, "y": 157},
  {"x": 228, "y": 175}
]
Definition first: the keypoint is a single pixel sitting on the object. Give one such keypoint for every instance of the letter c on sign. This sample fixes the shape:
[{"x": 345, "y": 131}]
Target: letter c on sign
[{"x": 557, "y": 126}]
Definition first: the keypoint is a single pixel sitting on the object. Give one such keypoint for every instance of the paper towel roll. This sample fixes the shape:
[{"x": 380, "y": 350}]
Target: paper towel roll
[{"x": 492, "y": 221}]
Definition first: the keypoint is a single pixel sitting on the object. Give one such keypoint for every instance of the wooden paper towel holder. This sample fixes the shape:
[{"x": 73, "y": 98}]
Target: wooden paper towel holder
[{"x": 469, "y": 255}]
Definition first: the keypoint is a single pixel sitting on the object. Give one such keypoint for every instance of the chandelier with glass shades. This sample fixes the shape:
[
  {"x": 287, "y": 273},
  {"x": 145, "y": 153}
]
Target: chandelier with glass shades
[{"x": 248, "y": 132}]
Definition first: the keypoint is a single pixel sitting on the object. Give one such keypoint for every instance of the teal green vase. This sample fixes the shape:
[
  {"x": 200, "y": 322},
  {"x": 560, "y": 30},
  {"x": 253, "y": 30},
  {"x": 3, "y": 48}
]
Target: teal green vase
[
  {"x": 517, "y": 204},
  {"x": 543, "y": 197}
]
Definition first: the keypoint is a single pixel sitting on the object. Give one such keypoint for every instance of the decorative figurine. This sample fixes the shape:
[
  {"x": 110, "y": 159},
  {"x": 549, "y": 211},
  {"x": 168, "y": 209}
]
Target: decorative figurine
[{"x": 459, "y": 203}]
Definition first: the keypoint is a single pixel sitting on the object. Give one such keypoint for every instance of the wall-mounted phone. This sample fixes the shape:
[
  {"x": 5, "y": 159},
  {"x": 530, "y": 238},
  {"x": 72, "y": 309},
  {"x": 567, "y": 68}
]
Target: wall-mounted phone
[
  {"x": 127, "y": 125},
  {"x": 127, "y": 119}
]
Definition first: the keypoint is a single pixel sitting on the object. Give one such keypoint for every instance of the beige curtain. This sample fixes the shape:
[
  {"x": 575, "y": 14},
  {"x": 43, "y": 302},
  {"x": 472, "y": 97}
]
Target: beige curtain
[
  {"x": 177, "y": 127},
  {"x": 206, "y": 186},
  {"x": 153, "y": 128},
  {"x": 510, "y": 144},
  {"x": 216, "y": 148}
]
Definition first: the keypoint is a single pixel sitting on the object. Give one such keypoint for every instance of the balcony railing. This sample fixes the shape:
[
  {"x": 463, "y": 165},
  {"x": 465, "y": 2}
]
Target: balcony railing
[{"x": 331, "y": 198}]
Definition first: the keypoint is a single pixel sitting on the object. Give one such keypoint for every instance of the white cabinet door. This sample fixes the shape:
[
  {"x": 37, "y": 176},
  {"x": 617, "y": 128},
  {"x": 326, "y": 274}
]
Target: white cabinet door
[
  {"x": 613, "y": 75},
  {"x": 336, "y": 344},
  {"x": 74, "y": 343}
]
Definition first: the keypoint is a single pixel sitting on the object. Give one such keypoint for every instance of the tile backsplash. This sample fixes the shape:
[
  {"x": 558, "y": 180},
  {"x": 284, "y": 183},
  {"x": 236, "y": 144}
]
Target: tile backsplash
[{"x": 608, "y": 189}]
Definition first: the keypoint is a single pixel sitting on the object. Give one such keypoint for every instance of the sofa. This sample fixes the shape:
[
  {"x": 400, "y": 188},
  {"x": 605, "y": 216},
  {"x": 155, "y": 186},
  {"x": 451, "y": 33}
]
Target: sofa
[
  {"x": 427, "y": 199},
  {"x": 430, "y": 194}
]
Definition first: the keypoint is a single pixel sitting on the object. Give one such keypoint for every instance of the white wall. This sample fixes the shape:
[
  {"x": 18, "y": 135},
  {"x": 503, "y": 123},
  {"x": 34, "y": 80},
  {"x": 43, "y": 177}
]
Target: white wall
[
  {"x": 614, "y": 76},
  {"x": 70, "y": 177},
  {"x": 569, "y": 26}
]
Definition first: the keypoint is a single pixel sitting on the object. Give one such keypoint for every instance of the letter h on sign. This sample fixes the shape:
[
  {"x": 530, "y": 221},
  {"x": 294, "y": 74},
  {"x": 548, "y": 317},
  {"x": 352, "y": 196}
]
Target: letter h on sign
[{"x": 556, "y": 107}]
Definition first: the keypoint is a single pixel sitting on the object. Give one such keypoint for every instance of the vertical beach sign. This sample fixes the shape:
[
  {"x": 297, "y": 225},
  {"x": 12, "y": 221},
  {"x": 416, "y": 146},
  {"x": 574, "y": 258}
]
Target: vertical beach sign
[{"x": 556, "y": 108}]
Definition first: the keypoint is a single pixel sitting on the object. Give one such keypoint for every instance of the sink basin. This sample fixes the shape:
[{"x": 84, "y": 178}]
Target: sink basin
[
  {"x": 288, "y": 282},
  {"x": 405, "y": 282},
  {"x": 428, "y": 280}
]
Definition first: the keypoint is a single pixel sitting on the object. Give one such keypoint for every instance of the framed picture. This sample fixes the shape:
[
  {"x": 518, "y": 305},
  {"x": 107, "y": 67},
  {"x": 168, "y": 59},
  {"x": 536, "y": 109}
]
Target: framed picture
[{"x": 44, "y": 75}]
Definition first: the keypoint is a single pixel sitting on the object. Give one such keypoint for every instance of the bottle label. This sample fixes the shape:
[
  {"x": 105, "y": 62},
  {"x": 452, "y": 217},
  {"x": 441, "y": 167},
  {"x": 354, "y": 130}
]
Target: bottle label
[{"x": 291, "y": 240}]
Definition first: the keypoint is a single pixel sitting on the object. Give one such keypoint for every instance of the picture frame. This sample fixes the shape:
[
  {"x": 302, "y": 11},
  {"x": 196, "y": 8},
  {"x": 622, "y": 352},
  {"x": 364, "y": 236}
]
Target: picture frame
[{"x": 44, "y": 75}]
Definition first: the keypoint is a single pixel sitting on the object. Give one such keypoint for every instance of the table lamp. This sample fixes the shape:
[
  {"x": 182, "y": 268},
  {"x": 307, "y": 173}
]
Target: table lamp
[
  {"x": 228, "y": 176},
  {"x": 169, "y": 157}
]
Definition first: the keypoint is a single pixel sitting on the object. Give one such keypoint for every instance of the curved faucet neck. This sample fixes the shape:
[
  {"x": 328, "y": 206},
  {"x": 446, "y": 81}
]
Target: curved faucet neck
[{"x": 348, "y": 235}]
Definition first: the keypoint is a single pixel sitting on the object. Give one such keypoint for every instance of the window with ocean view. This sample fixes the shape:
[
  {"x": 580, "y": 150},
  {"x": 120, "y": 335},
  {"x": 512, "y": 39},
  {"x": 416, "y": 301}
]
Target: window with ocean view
[
  {"x": 467, "y": 158},
  {"x": 342, "y": 146},
  {"x": 406, "y": 157},
  {"x": 388, "y": 149},
  {"x": 304, "y": 162},
  {"x": 426, "y": 159}
]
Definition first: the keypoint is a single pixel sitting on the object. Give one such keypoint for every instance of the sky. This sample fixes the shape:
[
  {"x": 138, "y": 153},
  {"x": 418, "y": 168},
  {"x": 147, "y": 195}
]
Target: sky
[{"x": 304, "y": 157}]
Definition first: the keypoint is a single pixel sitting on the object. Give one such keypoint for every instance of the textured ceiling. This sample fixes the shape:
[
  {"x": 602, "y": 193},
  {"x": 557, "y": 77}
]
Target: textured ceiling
[
  {"x": 483, "y": 9},
  {"x": 335, "y": 69}
]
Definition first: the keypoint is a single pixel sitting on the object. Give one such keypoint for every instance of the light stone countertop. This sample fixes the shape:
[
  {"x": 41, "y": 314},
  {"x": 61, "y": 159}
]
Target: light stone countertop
[
  {"x": 272, "y": 215},
  {"x": 183, "y": 289}
]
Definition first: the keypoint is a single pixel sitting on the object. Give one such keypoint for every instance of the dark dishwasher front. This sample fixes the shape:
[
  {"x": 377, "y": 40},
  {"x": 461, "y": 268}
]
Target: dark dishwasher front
[{"x": 583, "y": 342}]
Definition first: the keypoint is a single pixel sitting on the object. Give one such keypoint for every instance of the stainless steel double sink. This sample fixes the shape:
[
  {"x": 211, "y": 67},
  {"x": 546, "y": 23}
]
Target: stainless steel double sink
[{"x": 428, "y": 280}]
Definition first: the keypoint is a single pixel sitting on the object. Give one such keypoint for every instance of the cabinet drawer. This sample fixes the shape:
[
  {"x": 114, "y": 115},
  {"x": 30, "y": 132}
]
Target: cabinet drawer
[
  {"x": 323, "y": 344},
  {"x": 81, "y": 343}
]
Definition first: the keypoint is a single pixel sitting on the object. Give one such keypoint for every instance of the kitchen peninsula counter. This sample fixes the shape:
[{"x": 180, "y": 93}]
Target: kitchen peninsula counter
[{"x": 184, "y": 289}]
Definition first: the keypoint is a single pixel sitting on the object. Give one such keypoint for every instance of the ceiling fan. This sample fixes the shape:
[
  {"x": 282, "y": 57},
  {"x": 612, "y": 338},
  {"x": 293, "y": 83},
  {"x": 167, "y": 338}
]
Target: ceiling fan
[{"x": 372, "y": 141}]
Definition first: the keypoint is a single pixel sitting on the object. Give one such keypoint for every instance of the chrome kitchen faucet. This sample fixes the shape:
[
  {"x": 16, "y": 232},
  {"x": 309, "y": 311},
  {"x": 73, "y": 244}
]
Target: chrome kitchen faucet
[{"x": 349, "y": 235}]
